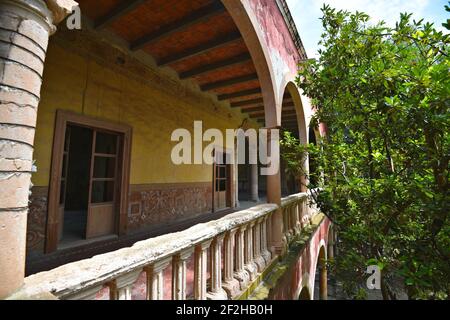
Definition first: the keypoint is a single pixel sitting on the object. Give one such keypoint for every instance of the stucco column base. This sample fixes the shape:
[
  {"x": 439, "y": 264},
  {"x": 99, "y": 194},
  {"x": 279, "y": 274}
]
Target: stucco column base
[
  {"x": 252, "y": 270},
  {"x": 243, "y": 278},
  {"x": 12, "y": 251},
  {"x": 218, "y": 295},
  {"x": 260, "y": 263},
  {"x": 232, "y": 288},
  {"x": 267, "y": 256}
]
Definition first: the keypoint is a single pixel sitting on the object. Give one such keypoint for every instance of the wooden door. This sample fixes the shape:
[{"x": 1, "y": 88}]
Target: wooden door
[{"x": 103, "y": 185}]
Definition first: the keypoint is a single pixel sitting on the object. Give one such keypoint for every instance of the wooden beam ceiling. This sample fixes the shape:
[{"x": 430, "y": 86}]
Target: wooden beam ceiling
[
  {"x": 121, "y": 10},
  {"x": 203, "y": 48},
  {"x": 246, "y": 103},
  {"x": 196, "y": 17},
  {"x": 229, "y": 82},
  {"x": 257, "y": 115},
  {"x": 239, "y": 94},
  {"x": 216, "y": 66},
  {"x": 254, "y": 109},
  {"x": 222, "y": 67}
]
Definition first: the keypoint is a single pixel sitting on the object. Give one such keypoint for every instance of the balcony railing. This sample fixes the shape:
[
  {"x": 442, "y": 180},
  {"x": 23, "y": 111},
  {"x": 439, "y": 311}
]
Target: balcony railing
[{"x": 242, "y": 239}]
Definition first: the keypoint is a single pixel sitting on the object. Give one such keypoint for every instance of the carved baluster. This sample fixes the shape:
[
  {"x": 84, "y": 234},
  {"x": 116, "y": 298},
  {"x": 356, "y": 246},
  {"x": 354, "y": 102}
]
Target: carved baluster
[
  {"x": 259, "y": 260},
  {"x": 240, "y": 273},
  {"x": 250, "y": 265},
  {"x": 179, "y": 272},
  {"x": 155, "y": 279},
  {"x": 217, "y": 292},
  {"x": 293, "y": 213},
  {"x": 120, "y": 288},
  {"x": 86, "y": 294},
  {"x": 265, "y": 240},
  {"x": 231, "y": 285},
  {"x": 200, "y": 270},
  {"x": 297, "y": 222}
]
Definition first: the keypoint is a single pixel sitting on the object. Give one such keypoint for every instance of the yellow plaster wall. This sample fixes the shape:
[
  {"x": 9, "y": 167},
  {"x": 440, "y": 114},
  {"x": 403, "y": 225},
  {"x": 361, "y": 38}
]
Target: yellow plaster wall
[{"x": 79, "y": 83}]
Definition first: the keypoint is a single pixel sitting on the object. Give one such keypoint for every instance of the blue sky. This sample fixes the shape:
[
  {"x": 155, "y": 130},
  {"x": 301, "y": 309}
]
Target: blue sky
[{"x": 306, "y": 14}]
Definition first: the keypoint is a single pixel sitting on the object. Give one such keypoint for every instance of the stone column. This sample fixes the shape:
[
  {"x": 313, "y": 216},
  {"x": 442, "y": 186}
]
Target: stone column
[
  {"x": 155, "y": 279},
  {"x": 323, "y": 284},
  {"x": 254, "y": 191},
  {"x": 201, "y": 270},
  {"x": 179, "y": 273},
  {"x": 240, "y": 273},
  {"x": 217, "y": 292},
  {"x": 230, "y": 284},
  {"x": 25, "y": 27},
  {"x": 331, "y": 245},
  {"x": 120, "y": 289}
]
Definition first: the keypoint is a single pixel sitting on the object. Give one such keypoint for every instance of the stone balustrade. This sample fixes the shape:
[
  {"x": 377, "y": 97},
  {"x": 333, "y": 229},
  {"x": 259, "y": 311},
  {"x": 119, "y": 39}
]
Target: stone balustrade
[{"x": 241, "y": 239}]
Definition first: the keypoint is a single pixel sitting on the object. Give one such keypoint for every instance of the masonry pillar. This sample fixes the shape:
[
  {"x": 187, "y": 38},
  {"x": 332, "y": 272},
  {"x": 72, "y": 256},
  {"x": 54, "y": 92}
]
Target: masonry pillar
[
  {"x": 330, "y": 245},
  {"x": 25, "y": 27},
  {"x": 323, "y": 283}
]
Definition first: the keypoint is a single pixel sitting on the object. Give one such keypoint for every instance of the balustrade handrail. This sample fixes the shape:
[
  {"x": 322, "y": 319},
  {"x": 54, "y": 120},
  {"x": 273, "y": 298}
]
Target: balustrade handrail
[{"x": 69, "y": 279}]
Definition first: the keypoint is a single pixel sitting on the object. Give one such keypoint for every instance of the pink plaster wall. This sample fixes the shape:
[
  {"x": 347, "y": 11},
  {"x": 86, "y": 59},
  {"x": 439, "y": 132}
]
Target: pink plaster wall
[
  {"x": 276, "y": 33},
  {"x": 291, "y": 284}
]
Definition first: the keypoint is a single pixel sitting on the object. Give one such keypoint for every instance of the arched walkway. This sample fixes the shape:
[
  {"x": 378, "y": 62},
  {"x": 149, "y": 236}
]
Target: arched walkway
[{"x": 293, "y": 120}]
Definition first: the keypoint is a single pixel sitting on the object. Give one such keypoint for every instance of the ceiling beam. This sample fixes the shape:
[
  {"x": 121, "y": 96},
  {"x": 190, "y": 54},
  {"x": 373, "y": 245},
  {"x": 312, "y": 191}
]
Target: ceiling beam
[
  {"x": 289, "y": 113},
  {"x": 254, "y": 109},
  {"x": 196, "y": 17},
  {"x": 216, "y": 66},
  {"x": 246, "y": 103},
  {"x": 288, "y": 104},
  {"x": 288, "y": 118},
  {"x": 239, "y": 94},
  {"x": 121, "y": 10},
  {"x": 256, "y": 101},
  {"x": 203, "y": 48},
  {"x": 258, "y": 115},
  {"x": 289, "y": 122},
  {"x": 229, "y": 82},
  {"x": 290, "y": 109}
]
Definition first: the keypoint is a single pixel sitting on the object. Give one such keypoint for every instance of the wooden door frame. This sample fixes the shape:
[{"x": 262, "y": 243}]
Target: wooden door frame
[{"x": 63, "y": 118}]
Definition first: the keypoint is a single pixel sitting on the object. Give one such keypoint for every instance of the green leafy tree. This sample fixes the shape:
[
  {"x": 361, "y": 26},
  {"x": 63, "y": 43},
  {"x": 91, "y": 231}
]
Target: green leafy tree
[{"x": 384, "y": 94}]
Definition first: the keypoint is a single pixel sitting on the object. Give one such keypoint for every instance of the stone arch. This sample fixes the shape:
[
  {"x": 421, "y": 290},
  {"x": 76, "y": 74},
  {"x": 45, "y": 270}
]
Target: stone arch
[
  {"x": 293, "y": 91},
  {"x": 293, "y": 119},
  {"x": 254, "y": 40}
]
